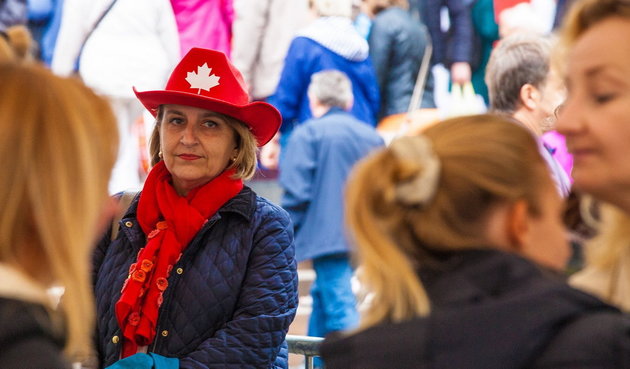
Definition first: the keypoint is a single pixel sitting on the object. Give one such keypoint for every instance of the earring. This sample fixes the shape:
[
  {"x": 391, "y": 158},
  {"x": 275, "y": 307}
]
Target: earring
[{"x": 160, "y": 154}]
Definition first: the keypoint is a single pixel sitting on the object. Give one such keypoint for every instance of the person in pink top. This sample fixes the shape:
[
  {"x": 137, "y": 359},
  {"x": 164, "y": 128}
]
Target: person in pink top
[
  {"x": 205, "y": 24},
  {"x": 556, "y": 142}
]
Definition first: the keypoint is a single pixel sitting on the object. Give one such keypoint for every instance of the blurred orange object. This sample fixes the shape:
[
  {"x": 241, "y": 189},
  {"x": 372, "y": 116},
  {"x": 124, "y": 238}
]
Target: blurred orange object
[{"x": 407, "y": 124}]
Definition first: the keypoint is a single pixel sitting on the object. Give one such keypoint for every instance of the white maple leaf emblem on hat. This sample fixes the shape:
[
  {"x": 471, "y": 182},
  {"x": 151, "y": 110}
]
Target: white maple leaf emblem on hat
[{"x": 202, "y": 80}]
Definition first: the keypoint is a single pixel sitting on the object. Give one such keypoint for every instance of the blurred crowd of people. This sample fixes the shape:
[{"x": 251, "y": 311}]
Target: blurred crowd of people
[{"x": 453, "y": 170}]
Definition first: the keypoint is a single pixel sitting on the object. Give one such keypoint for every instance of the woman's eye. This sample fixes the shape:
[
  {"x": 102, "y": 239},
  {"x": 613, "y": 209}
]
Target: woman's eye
[
  {"x": 176, "y": 120},
  {"x": 603, "y": 98},
  {"x": 209, "y": 123}
]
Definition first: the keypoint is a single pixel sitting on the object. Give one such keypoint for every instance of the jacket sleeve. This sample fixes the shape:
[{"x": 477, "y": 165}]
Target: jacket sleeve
[
  {"x": 72, "y": 32},
  {"x": 12, "y": 12},
  {"x": 266, "y": 306},
  {"x": 293, "y": 82},
  {"x": 99, "y": 253},
  {"x": 227, "y": 13},
  {"x": 380, "y": 53},
  {"x": 248, "y": 30},
  {"x": 460, "y": 43},
  {"x": 297, "y": 171}
]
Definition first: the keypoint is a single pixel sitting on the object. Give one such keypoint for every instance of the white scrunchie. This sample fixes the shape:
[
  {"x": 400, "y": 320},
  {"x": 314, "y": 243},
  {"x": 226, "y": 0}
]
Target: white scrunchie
[{"x": 420, "y": 189}]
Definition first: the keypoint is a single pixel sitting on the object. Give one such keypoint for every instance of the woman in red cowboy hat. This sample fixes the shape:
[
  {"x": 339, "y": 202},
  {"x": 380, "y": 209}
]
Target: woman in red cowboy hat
[{"x": 202, "y": 273}]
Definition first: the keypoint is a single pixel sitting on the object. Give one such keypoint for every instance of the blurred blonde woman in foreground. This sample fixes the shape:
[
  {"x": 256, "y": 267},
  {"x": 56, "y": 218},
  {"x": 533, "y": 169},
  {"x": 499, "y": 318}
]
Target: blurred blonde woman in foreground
[
  {"x": 460, "y": 237},
  {"x": 58, "y": 144},
  {"x": 596, "y": 123}
]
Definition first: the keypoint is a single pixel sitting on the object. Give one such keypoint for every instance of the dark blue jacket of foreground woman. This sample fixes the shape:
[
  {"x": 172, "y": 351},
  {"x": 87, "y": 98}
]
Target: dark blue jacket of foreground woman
[
  {"x": 231, "y": 296},
  {"x": 492, "y": 310}
]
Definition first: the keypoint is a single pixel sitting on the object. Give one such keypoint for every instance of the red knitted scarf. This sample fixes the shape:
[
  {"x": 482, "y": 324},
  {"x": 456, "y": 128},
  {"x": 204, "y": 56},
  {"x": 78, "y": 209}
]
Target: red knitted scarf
[{"x": 170, "y": 223}]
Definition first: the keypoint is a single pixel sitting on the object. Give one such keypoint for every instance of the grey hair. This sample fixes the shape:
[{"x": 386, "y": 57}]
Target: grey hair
[
  {"x": 517, "y": 60},
  {"x": 332, "y": 88},
  {"x": 333, "y": 8}
]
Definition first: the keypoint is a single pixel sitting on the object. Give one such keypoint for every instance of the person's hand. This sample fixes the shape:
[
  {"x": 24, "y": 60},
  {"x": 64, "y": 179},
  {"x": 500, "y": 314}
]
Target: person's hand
[
  {"x": 270, "y": 153},
  {"x": 460, "y": 73}
]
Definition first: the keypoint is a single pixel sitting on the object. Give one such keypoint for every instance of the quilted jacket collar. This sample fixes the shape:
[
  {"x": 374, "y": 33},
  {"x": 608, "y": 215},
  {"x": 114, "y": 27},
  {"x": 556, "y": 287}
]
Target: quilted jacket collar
[{"x": 244, "y": 203}]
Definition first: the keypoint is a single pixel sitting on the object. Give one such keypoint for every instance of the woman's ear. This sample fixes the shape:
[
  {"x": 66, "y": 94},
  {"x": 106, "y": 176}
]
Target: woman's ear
[{"x": 518, "y": 225}]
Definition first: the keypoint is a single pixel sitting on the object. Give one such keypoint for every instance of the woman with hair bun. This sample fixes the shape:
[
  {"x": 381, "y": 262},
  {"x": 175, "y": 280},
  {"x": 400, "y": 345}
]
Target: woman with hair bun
[{"x": 460, "y": 240}]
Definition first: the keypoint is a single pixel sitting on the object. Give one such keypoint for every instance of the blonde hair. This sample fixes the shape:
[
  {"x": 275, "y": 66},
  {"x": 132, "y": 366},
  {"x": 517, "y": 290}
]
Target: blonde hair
[
  {"x": 608, "y": 246},
  {"x": 485, "y": 161},
  {"x": 57, "y": 147},
  {"x": 580, "y": 18},
  {"x": 16, "y": 45},
  {"x": 333, "y": 8},
  {"x": 246, "y": 144}
]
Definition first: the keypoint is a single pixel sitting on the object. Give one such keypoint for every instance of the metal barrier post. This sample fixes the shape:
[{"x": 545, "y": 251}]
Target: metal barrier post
[
  {"x": 304, "y": 345},
  {"x": 309, "y": 362}
]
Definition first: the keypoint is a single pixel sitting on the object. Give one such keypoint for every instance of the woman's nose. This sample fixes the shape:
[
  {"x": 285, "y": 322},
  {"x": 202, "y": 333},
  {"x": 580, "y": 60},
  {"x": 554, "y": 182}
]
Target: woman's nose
[
  {"x": 568, "y": 117},
  {"x": 189, "y": 136}
]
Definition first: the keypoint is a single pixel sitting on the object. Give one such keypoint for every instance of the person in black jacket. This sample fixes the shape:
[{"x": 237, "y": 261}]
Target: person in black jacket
[
  {"x": 460, "y": 241},
  {"x": 397, "y": 46},
  {"x": 55, "y": 160}
]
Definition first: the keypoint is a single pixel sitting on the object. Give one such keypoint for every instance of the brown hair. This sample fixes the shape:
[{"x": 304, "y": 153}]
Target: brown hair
[
  {"x": 485, "y": 161},
  {"x": 246, "y": 145}
]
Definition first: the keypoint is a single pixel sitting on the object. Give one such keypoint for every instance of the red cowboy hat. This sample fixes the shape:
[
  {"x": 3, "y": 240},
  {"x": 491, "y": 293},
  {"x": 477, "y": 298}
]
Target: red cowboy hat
[{"x": 206, "y": 79}]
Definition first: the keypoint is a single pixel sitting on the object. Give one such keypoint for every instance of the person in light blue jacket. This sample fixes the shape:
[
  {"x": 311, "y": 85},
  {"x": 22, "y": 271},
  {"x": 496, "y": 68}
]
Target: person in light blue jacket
[{"x": 319, "y": 155}]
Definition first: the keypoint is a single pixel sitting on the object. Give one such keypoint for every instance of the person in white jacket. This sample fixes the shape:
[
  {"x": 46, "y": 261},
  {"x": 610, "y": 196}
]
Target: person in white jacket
[
  {"x": 261, "y": 34},
  {"x": 134, "y": 45}
]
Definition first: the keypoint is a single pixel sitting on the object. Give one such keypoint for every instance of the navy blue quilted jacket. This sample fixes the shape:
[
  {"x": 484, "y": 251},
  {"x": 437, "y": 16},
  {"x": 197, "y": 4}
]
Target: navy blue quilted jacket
[{"x": 231, "y": 297}]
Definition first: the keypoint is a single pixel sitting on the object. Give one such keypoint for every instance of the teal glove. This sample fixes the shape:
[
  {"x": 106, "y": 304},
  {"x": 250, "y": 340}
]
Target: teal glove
[
  {"x": 163, "y": 362},
  {"x": 137, "y": 361},
  {"x": 146, "y": 361}
]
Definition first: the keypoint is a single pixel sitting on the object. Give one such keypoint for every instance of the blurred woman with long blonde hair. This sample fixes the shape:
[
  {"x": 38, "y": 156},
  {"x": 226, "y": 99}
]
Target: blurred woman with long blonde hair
[
  {"x": 58, "y": 144},
  {"x": 596, "y": 123}
]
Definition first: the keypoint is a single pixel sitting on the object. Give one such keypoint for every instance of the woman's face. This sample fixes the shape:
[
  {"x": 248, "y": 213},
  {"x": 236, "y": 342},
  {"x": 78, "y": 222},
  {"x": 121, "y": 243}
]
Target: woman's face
[
  {"x": 197, "y": 145},
  {"x": 596, "y": 116}
]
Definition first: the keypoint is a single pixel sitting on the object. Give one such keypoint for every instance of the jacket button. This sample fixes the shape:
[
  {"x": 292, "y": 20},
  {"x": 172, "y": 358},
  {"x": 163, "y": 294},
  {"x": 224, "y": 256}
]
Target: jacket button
[
  {"x": 180, "y": 270},
  {"x": 115, "y": 339},
  {"x": 128, "y": 224},
  {"x": 164, "y": 333}
]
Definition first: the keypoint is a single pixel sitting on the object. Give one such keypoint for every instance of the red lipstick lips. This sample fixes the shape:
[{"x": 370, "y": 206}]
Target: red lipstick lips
[{"x": 188, "y": 156}]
